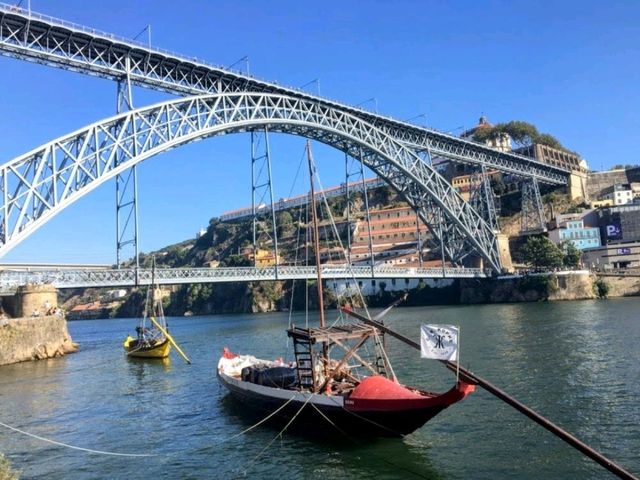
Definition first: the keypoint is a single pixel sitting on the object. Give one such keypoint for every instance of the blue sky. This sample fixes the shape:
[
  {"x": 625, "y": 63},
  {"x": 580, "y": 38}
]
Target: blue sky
[{"x": 571, "y": 68}]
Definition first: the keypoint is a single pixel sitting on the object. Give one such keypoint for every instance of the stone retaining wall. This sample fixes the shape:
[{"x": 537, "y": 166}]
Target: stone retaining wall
[
  {"x": 34, "y": 338},
  {"x": 621, "y": 286},
  {"x": 528, "y": 288}
]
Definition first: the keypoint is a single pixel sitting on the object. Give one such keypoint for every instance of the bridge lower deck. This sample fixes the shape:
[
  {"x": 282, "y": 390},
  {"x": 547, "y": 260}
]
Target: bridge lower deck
[{"x": 85, "y": 278}]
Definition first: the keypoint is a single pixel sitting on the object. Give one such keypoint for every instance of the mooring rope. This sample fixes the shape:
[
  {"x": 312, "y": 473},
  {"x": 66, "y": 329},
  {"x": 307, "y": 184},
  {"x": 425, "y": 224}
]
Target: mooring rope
[
  {"x": 102, "y": 452},
  {"x": 278, "y": 435},
  {"x": 54, "y": 442},
  {"x": 259, "y": 423},
  {"x": 356, "y": 442},
  {"x": 333, "y": 423}
]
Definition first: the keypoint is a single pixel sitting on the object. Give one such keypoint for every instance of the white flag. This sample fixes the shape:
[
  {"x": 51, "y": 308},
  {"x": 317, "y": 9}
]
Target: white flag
[{"x": 439, "y": 342}]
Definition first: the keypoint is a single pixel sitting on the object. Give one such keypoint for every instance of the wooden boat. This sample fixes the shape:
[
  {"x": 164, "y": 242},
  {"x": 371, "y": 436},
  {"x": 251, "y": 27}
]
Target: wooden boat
[
  {"x": 354, "y": 391},
  {"x": 147, "y": 349},
  {"x": 152, "y": 337}
]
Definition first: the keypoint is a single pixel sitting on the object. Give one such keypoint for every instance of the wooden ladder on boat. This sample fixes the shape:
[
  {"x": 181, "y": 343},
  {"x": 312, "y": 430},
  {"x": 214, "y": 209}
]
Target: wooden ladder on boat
[
  {"x": 381, "y": 362},
  {"x": 304, "y": 364}
]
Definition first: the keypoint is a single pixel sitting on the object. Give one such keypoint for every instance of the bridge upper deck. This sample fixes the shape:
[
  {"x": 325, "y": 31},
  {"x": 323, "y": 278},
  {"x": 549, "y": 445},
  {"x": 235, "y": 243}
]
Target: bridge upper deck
[{"x": 42, "y": 39}]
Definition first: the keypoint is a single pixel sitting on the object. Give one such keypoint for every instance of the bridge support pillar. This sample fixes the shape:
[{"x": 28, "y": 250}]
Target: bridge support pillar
[
  {"x": 32, "y": 299},
  {"x": 504, "y": 252},
  {"x": 577, "y": 186}
]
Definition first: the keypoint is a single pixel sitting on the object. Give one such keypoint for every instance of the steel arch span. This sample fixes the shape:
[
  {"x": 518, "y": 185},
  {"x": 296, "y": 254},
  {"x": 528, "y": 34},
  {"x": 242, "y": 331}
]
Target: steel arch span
[{"x": 41, "y": 183}]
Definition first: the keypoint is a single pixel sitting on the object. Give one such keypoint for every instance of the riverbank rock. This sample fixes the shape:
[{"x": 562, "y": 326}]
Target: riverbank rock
[
  {"x": 34, "y": 338},
  {"x": 529, "y": 288},
  {"x": 573, "y": 286}
]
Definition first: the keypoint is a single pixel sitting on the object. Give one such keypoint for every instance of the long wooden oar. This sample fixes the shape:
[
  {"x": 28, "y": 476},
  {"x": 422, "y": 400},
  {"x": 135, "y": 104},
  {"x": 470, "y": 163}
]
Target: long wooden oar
[
  {"x": 173, "y": 342},
  {"x": 470, "y": 377}
]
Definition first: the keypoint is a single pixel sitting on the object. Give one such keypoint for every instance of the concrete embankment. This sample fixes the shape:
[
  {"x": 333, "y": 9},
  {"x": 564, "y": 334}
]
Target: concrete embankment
[
  {"x": 576, "y": 285},
  {"x": 34, "y": 338}
]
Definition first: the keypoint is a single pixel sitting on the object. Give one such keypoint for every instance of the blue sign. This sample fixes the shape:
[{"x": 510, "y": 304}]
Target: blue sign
[
  {"x": 624, "y": 251},
  {"x": 614, "y": 231}
]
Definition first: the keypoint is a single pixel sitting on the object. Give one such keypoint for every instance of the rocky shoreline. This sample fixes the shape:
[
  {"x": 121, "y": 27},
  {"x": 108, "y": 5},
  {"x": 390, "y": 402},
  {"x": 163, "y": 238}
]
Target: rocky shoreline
[{"x": 34, "y": 338}]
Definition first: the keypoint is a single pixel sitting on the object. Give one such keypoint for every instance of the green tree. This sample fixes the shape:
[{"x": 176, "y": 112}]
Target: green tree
[
  {"x": 284, "y": 218},
  {"x": 540, "y": 252},
  {"x": 549, "y": 140},
  {"x": 284, "y": 222},
  {"x": 522, "y": 134},
  {"x": 572, "y": 254}
]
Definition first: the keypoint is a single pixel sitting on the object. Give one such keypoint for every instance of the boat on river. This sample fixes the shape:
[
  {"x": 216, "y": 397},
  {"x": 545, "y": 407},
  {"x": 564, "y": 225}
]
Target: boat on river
[
  {"x": 341, "y": 379},
  {"x": 152, "y": 340}
]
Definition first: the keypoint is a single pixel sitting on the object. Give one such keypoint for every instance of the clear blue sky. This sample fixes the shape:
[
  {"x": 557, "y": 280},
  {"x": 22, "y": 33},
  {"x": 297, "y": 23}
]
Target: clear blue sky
[{"x": 570, "y": 67}]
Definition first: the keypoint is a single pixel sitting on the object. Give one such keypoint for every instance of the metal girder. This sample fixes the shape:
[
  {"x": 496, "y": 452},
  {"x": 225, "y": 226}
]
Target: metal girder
[
  {"x": 53, "y": 42},
  {"x": 126, "y": 277},
  {"x": 262, "y": 190},
  {"x": 126, "y": 188},
  {"x": 532, "y": 220},
  {"x": 357, "y": 173},
  {"x": 482, "y": 198},
  {"x": 39, "y": 184}
]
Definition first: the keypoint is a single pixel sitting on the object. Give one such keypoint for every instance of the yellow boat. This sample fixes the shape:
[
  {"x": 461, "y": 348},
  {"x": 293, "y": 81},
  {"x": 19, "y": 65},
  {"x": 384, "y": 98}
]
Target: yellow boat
[
  {"x": 153, "y": 338},
  {"x": 159, "y": 348}
]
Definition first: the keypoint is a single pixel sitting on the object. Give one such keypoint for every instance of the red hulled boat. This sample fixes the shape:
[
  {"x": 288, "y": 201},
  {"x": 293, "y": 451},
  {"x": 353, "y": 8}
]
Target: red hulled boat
[
  {"x": 374, "y": 406},
  {"x": 341, "y": 379}
]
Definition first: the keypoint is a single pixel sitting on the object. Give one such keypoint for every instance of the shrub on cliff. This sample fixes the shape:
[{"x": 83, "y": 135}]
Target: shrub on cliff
[{"x": 601, "y": 288}]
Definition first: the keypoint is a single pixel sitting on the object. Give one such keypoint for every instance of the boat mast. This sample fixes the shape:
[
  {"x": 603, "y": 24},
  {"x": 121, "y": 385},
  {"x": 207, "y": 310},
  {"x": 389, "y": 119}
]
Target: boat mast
[{"x": 316, "y": 240}]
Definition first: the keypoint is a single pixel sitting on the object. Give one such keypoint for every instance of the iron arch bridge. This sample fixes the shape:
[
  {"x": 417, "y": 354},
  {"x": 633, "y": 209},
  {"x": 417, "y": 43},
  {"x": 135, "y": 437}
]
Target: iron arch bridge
[
  {"x": 33, "y": 37},
  {"x": 37, "y": 185}
]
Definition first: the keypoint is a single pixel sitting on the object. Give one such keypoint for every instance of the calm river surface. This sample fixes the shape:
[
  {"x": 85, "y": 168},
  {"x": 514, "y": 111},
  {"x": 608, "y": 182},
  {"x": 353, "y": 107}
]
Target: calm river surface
[{"x": 578, "y": 363}]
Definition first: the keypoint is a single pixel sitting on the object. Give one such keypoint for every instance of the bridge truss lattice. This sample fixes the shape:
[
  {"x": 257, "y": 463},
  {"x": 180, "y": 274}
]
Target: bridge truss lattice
[
  {"x": 39, "y": 184},
  {"x": 42, "y": 39}
]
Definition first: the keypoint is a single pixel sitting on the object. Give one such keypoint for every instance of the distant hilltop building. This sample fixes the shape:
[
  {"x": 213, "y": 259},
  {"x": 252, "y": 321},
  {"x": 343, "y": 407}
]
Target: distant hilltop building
[
  {"x": 573, "y": 228},
  {"x": 464, "y": 184},
  {"x": 620, "y": 238},
  {"x": 542, "y": 153},
  {"x": 398, "y": 237},
  {"x": 599, "y": 184},
  {"x": 502, "y": 143},
  {"x": 285, "y": 203},
  {"x": 553, "y": 156},
  {"x": 619, "y": 194}
]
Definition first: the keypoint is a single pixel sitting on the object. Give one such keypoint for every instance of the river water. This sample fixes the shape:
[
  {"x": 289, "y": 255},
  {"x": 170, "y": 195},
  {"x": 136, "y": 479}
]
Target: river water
[{"x": 575, "y": 362}]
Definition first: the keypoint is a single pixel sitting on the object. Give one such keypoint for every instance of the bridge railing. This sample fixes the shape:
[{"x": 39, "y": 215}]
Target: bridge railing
[{"x": 10, "y": 280}]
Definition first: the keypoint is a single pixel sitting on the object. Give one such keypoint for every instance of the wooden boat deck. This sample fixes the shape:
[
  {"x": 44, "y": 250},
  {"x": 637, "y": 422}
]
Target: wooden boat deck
[{"x": 332, "y": 333}]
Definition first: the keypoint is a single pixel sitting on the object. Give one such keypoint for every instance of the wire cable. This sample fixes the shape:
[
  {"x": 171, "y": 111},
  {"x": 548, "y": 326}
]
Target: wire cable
[{"x": 66, "y": 445}]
